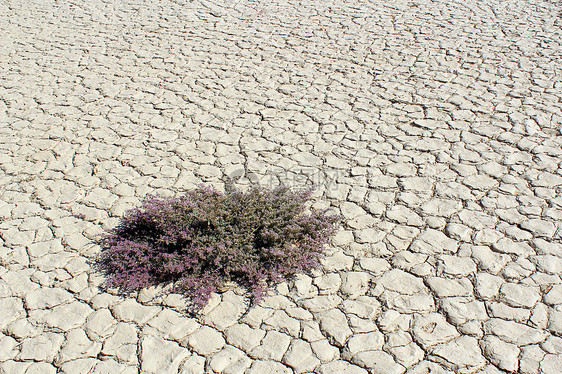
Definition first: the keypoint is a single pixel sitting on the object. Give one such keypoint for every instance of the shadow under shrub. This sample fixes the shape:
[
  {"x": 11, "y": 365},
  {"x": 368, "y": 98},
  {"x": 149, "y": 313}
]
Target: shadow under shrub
[{"x": 205, "y": 238}]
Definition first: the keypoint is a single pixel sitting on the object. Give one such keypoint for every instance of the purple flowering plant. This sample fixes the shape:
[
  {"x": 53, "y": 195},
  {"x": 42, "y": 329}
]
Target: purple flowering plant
[{"x": 205, "y": 238}]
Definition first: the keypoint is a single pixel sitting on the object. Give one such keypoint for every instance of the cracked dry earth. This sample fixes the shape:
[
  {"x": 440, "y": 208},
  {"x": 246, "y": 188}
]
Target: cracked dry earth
[{"x": 433, "y": 127}]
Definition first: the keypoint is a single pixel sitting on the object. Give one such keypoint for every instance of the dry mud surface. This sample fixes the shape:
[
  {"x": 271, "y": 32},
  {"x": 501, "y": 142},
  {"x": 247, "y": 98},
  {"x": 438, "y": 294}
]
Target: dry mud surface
[{"x": 433, "y": 126}]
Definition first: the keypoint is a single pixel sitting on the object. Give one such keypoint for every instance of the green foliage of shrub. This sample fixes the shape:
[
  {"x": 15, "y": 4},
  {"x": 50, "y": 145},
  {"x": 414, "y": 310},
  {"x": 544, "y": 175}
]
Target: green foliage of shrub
[{"x": 205, "y": 238}]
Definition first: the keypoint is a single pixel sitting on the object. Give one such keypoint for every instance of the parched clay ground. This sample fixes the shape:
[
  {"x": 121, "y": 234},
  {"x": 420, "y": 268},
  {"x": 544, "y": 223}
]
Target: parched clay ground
[{"x": 433, "y": 126}]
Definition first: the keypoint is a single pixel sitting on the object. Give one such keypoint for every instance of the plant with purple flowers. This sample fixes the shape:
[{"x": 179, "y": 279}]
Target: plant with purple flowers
[{"x": 205, "y": 238}]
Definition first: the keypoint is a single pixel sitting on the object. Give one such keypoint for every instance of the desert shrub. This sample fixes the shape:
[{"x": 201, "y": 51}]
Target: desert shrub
[{"x": 205, "y": 238}]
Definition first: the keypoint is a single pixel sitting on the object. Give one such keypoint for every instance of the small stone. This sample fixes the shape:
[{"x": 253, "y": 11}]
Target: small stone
[
  {"x": 539, "y": 227},
  {"x": 13, "y": 237},
  {"x": 458, "y": 231},
  {"x": 77, "y": 241},
  {"x": 240, "y": 366},
  {"x": 12, "y": 309},
  {"x": 310, "y": 331},
  {"x": 401, "y": 169},
  {"x": 488, "y": 286},
  {"x": 12, "y": 366},
  {"x": 39, "y": 249},
  {"x": 553, "y": 345},
  {"x": 159, "y": 355},
  {"x": 339, "y": 366},
  {"x": 419, "y": 303},
  {"x": 270, "y": 367},
  {"x": 258, "y": 314},
  {"x": 8, "y": 348},
  {"x": 383, "y": 181},
  {"x": 324, "y": 350},
  {"x": 506, "y": 245},
  {"x": 378, "y": 362},
  {"x": 46, "y": 298},
  {"x": 354, "y": 283},
  {"x": 456, "y": 266},
  {"x": 194, "y": 364},
  {"x": 19, "y": 282},
  {"x": 551, "y": 364},
  {"x": 122, "y": 343},
  {"x": 205, "y": 341},
  {"x": 417, "y": 184},
  {"x": 488, "y": 260},
  {"x": 402, "y": 282},
  {"x": 404, "y": 215},
  {"x": 343, "y": 238},
  {"x": 531, "y": 356},
  {"x": 548, "y": 263},
  {"x": 376, "y": 266},
  {"x": 334, "y": 324},
  {"x": 450, "y": 287},
  {"x": 392, "y": 320},
  {"x": 300, "y": 314},
  {"x": 511, "y": 216},
  {"x": 131, "y": 311},
  {"x": 328, "y": 283},
  {"x": 100, "y": 324},
  {"x": 539, "y": 316},
  {"x": 460, "y": 310},
  {"x": 428, "y": 367},
  {"x": 351, "y": 210},
  {"x": 173, "y": 325},
  {"x": 433, "y": 242},
  {"x": 227, "y": 312},
  {"x": 369, "y": 235},
  {"x": 41, "y": 348},
  {"x": 360, "y": 325},
  {"x": 364, "y": 342},
  {"x": 364, "y": 307},
  {"x": 28, "y": 367},
  {"x": 445, "y": 208},
  {"x": 104, "y": 300},
  {"x": 555, "y": 320},
  {"x": 78, "y": 345},
  {"x": 224, "y": 358},
  {"x": 362, "y": 222},
  {"x": 544, "y": 247},
  {"x": 460, "y": 353},
  {"x": 64, "y": 317},
  {"x": 472, "y": 328},
  {"x": 307, "y": 159},
  {"x": 303, "y": 286},
  {"x": 513, "y": 332},
  {"x": 519, "y": 295},
  {"x": 281, "y": 322},
  {"x": 299, "y": 356},
  {"x": 554, "y": 296},
  {"x": 337, "y": 262},
  {"x": 22, "y": 328},
  {"x": 321, "y": 303},
  {"x": 432, "y": 329},
  {"x": 487, "y": 237},
  {"x": 502, "y": 354},
  {"x": 476, "y": 219},
  {"x": 501, "y": 310},
  {"x": 209, "y": 171},
  {"x": 423, "y": 270},
  {"x": 407, "y": 355},
  {"x": 76, "y": 284},
  {"x": 244, "y": 337},
  {"x": 273, "y": 346},
  {"x": 480, "y": 182}
]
